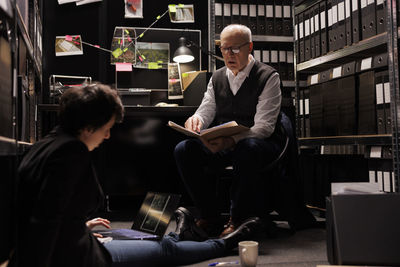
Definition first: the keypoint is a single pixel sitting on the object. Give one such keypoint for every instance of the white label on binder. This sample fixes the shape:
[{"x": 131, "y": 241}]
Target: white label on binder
[
  {"x": 337, "y": 72},
  {"x": 334, "y": 14},
  {"x": 363, "y": 3},
  {"x": 282, "y": 56},
  {"x": 348, "y": 10},
  {"x": 296, "y": 33},
  {"x": 218, "y": 9},
  {"x": 301, "y": 30},
  {"x": 330, "y": 17},
  {"x": 270, "y": 11},
  {"x": 393, "y": 182},
  {"x": 227, "y": 10},
  {"x": 379, "y": 2},
  {"x": 253, "y": 11},
  {"x": 235, "y": 10},
  {"x": 257, "y": 55},
  {"x": 322, "y": 149},
  {"x": 341, "y": 11},
  {"x": 370, "y": 2},
  {"x": 312, "y": 25},
  {"x": 301, "y": 103},
  {"x": 289, "y": 57},
  {"x": 243, "y": 10},
  {"x": 261, "y": 11},
  {"x": 322, "y": 20},
  {"x": 274, "y": 56},
  {"x": 265, "y": 56},
  {"x": 379, "y": 93},
  {"x": 306, "y": 106},
  {"x": 380, "y": 180},
  {"x": 386, "y": 181},
  {"x": 386, "y": 89},
  {"x": 286, "y": 11},
  {"x": 354, "y": 5},
  {"x": 316, "y": 23},
  {"x": 278, "y": 11},
  {"x": 307, "y": 28},
  {"x": 366, "y": 63},
  {"x": 376, "y": 152},
  {"x": 314, "y": 79},
  {"x": 372, "y": 177}
]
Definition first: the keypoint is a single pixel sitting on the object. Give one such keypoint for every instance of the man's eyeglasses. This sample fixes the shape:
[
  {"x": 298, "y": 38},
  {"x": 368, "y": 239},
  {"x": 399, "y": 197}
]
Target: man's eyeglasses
[{"x": 232, "y": 49}]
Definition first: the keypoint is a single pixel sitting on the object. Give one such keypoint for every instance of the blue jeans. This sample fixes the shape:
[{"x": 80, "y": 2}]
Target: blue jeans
[
  {"x": 168, "y": 252},
  {"x": 199, "y": 169}
]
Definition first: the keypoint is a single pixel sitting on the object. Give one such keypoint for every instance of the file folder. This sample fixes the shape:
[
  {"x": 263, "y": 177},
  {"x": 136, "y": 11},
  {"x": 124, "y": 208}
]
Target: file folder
[
  {"x": 301, "y": 37},
  {"x": 269, "y": 10},
  {"x": 386, "y": 97},
  {"x": 368, "y": 18},
  {"x": 218, "y": 17},
  {"x": 317, "y": 32},
  {"x": 307, "y": 37},
  {"x": 265, "y": 56},
  {"x": 380, "y": 103},
  {"x": 355, "y": 18},
  {"x": 253, "y": 18},
  {"x": 287, "y": 18},
  {"x": 244, "y": 15},
  {"x": 261, "y": 18},
  {"x": 278, "y": 17},
  {"x": 257, "y": 54},
  {"x": 227, "y": 15},
  {"x": 323, "y": 28},
  {"x": 366, "y": 103},
  {"x": 341, "y": 28},
  {"x": 235, "y": 14},
  {"x": 348, "y": 28},
  {"x": 381, "y": 16}
]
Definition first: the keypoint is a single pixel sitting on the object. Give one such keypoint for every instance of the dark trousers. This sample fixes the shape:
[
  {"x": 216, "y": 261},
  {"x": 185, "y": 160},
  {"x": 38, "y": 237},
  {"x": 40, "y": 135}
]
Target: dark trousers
[{"x": 199, "y": 169}]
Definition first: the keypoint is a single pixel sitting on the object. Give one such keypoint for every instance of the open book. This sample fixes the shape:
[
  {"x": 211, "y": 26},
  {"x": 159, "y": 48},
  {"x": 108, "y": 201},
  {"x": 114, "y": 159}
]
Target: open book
[{"x": 225, "y": 129}]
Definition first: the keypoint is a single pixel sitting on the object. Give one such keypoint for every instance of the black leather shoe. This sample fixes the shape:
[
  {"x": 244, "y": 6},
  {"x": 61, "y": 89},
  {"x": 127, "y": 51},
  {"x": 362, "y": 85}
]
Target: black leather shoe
[
  {"x": 186, "y": 227},
  {"x": 245, "y": 231}
]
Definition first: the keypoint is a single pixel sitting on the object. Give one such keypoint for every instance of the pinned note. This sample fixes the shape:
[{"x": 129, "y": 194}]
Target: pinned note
[
  {"x": 153, "y": 65},
  {"x": 117, "y": 52},
  {"x": 172, "y": 8},
  {"x": 68, "y": 38},
  {"x": 119, "y": 66}
]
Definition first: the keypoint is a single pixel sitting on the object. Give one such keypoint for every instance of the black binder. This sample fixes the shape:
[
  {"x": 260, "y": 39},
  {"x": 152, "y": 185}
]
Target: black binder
[
  {"x": 348, "y": 28},
  {"x": 301, "y": 36},
  {"x": 227, "y": 15},
  {"x": 349, "y": 69},
  {"x": 323, "y": 27},
  {"x": 253, "y": 17},
  {"x": 380, "y": 103},
  {"x": 265, "y": 56},
  {"x": 261, "y": 18},
  {"x": 306, "y": 104},
  {"x": 218, "y": 17},
  {"x": 269, "y": 17},
  {"x": 368, "y": 18},
  {"x": 330, "y": 32},
  {"x": 380, "y": 61},
  {"x": 287, "y": 18},
  {"x": 290, "y": 65},
  {"x": 331, "y": 108},
  {"x": 316, "y": 110},
  {"x": 307, "y": 37},
  {"x": 274, "y": 58},
  {"x": 317, "y": 32},
  {"x": 341, "y": 27},
  {"x": 244, "y": 14},
  {"x": 301, "y": 113},
  {"x": 282, "y": 65},
  {"x": 366, "y": 103},
  {"x": 355, "y": 18},
  {"x": 296, "y": 38},
  {"x": 386, "y": 97},
  {"x": 312, "y": 33},
  {"x": 346, "y": 92},
  {"x": 278, "y": 17},
  {"x": 235, "y": 13},
  {"x": 381, "y": 16}
]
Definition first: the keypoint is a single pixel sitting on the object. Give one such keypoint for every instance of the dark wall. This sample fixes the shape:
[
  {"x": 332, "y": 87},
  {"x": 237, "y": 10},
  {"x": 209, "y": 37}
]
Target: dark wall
[{"x": 95, "y": 23}]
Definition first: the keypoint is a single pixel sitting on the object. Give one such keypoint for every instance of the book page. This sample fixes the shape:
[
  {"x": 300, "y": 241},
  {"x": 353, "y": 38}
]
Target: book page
[{"x": 182, "y": 129}]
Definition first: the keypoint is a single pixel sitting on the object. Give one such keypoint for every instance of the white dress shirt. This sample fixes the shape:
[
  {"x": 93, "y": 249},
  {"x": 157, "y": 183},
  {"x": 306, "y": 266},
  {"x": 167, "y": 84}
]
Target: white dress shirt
[{"x": 267, "y": 110}]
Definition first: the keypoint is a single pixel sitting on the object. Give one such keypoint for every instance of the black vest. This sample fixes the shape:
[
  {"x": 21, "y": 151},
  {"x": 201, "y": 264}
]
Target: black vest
[{"x": 242, "y": 106}]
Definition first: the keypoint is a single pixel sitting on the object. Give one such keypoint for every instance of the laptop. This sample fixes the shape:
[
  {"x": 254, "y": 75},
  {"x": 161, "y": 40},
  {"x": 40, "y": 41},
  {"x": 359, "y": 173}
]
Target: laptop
[{"x": 152, "y": 220}]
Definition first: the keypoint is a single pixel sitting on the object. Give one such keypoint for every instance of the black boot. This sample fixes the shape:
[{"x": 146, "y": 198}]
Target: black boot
[
  {"x": 245, "y": 231},
  {"x": 186, "y": 227}
]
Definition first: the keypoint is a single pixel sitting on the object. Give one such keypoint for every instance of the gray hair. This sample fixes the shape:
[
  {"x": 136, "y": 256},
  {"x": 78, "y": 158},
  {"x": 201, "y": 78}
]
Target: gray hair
[{"x": 242, "y": 29}]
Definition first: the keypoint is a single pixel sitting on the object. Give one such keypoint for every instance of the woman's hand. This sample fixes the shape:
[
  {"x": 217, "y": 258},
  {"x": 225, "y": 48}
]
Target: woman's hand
[{"x": 98, "y": 221}]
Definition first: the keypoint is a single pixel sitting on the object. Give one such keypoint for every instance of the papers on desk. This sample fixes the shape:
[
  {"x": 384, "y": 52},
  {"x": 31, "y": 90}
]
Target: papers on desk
[
  {"x": 78, "y": 2},
  {"x": 104, "y": 240},
  {"x": 354, "y": 188}
]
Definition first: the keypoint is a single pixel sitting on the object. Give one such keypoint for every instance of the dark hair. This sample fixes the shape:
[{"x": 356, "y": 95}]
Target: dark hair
[{"x": 90, "y": 106}]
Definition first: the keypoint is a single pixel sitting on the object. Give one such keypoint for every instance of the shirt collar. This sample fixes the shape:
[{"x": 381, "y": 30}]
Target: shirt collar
[{"x": 245, "y": 72}]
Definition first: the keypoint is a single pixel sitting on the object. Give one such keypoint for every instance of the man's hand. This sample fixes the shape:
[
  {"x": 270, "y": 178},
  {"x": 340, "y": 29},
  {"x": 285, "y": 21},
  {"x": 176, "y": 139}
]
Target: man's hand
[
  {"x": 193, "y": 124},
  {"x": 219, "y": 143},
  {"x": 98, "y": 221}
]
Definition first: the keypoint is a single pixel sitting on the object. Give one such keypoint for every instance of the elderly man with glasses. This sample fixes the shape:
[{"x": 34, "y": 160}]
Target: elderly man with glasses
[{"x": 248, "y": 92}]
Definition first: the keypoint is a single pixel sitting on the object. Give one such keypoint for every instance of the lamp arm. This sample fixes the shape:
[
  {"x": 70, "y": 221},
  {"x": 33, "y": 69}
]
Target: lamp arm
[{"x": 207, "y": 52}]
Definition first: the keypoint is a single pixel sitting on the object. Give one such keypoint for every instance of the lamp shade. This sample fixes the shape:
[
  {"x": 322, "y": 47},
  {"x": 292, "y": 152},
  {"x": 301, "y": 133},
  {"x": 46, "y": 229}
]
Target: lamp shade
[{"x": 183, "y": 54}]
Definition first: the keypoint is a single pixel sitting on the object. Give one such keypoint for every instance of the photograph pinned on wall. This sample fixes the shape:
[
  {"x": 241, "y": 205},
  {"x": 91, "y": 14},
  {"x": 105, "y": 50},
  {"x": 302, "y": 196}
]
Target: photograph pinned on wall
[
  {"x": 181, "y": 13},
  {"x": 68, "y": 45},
  {"x": 152, "y": 55},
  {"x": 174, "y": 81},
  {"x": 133, "y": 8},
  {"x": 123, "y": 45}
]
